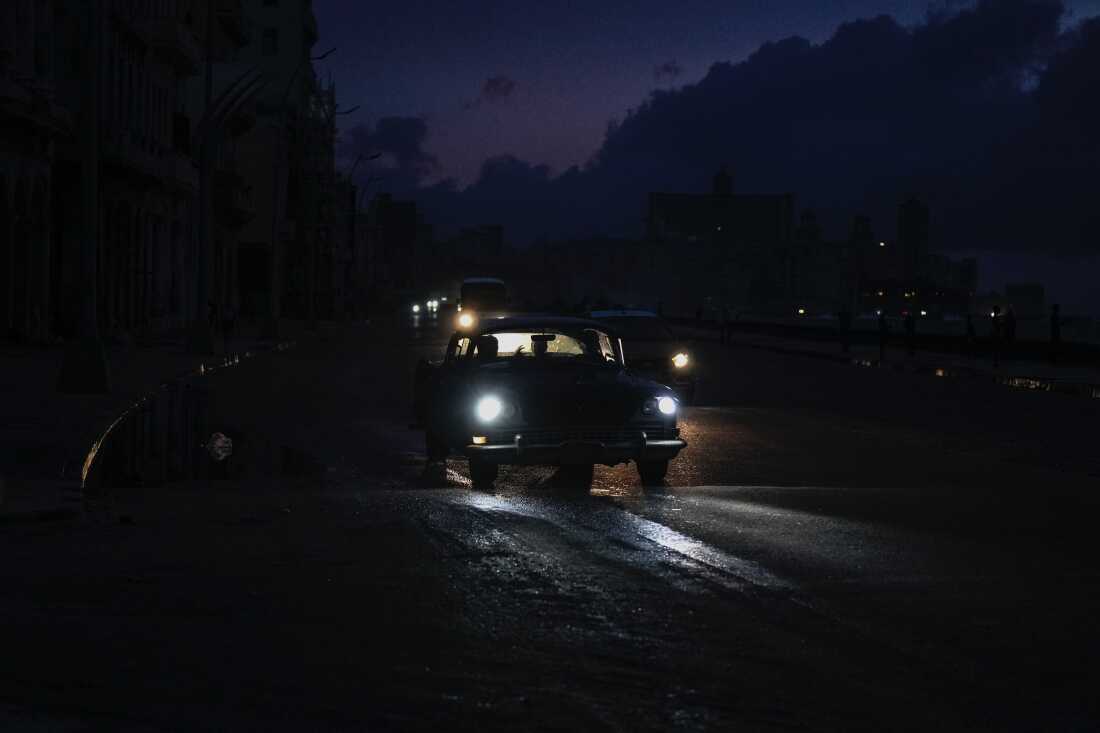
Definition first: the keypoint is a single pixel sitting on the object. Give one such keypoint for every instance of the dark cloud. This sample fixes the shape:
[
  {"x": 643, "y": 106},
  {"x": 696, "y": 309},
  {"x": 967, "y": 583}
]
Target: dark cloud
[
  {"x": 495, "y": 90},
  {"x": 669, "y": 69},
  {"x": 989, "y": 113},
  {"x": 400, "y": 141}
]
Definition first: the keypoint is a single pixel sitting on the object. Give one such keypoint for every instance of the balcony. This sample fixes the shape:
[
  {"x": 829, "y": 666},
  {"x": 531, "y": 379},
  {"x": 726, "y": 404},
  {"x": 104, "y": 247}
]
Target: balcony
[
  {"x": 232, "y": 199},
  {"x": 174, "y": 41}
]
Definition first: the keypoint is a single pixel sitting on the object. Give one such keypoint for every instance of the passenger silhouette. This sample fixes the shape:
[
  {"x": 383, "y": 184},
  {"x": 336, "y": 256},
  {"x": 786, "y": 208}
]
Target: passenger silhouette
[{"x": 487, "y": 348}]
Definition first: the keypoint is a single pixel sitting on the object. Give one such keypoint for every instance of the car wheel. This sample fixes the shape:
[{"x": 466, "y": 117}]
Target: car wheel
[
  {"x": 435, "y": 447},
  {"x": 652, "y": 472},
  {"x": 576, "y": 476},
  {"x": 483, "y": 473}
]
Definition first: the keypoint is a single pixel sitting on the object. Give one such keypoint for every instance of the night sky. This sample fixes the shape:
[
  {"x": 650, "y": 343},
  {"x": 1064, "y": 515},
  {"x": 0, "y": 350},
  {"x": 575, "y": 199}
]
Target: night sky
[
  {"x": 574, "y": 65},
  {"x": 531, "y": 87}
]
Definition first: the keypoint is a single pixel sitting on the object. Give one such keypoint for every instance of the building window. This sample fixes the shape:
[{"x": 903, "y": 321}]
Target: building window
[{"x": 271, "y": 41}]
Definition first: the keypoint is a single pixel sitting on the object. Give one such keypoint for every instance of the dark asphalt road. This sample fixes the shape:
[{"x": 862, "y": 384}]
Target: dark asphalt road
[{"x": 838, "y": 548}]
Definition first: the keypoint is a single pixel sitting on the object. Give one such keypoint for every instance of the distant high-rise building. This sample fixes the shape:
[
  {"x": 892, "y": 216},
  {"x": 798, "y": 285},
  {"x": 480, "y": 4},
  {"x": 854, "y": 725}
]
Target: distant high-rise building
[{"x": 721, "y": 216}]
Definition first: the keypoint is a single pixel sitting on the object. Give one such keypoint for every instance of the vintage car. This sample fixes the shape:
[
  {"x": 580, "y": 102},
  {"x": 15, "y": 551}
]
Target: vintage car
[
  {"x": 546, "y": 390},
  {"x": 652, "y": 349}
]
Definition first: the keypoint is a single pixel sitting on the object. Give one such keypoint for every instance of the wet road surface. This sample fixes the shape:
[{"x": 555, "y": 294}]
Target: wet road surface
[{"x": 834, "y": 550}]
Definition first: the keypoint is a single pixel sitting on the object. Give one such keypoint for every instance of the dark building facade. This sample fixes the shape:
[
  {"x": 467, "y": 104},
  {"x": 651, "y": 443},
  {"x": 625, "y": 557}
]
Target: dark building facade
[{"x": 733, "y": 245}]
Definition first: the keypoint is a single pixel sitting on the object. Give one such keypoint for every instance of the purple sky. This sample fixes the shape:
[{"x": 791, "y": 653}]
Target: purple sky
[{"x": 561, "y": 70}]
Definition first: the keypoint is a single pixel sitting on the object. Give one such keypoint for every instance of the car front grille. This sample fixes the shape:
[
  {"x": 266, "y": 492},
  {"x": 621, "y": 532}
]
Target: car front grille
[{"x": 556, "y": 436}]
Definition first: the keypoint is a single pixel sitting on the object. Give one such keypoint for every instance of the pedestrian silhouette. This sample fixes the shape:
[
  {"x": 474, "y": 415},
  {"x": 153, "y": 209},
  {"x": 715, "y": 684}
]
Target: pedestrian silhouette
[
  {"x": 844, "y": 318},
  {"x": 910, "y": 332},
  {"x": 1055, "y": 332},
  {"x": 883, "y": 335}
]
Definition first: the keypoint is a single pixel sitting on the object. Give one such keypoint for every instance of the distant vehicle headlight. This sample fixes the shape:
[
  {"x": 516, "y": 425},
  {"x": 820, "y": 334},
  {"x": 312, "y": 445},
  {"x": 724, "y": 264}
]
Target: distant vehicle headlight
[
  {"x": 416, "y": 308},
  {"x": 681, "y": 360},
  {"x": 489, "y": 409},
  {"x": 466, "y": 320},
  {"x": 666, "y": 405}
]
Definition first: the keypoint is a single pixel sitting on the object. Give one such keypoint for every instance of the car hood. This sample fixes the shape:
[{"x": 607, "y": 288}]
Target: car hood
[
  {"x": 649, "y": 350},
  {"x": 568, "y": 394}
]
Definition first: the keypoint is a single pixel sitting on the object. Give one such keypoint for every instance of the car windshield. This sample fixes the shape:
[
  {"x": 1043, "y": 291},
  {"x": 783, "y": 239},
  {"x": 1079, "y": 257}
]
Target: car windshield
[
  {"x": 588, "y": 345},
  {"x": 640, "y": 327}
]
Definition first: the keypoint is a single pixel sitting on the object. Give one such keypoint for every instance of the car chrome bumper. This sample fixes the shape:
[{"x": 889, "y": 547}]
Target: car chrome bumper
[{"x": 524, "y": 452}]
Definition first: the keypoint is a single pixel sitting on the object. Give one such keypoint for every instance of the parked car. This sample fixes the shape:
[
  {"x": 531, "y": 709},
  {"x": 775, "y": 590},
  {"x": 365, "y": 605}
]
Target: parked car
[
  {"x": 546, "y": 390},
  {"x": 653, "y": 350}
]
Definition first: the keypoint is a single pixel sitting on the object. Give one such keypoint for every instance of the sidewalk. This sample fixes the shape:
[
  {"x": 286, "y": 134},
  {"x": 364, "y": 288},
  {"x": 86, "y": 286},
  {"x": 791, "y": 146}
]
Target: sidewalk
[
  {"x": 45, "y": 434},
  {"x": 1019, "y": 373}
]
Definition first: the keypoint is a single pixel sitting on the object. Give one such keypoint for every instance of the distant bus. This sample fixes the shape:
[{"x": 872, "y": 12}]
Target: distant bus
[{"x": 483, "y": 294}]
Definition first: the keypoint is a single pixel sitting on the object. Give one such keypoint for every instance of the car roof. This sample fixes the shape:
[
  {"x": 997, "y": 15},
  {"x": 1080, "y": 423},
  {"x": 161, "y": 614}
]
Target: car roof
[
  {"x": 622, "y": 314},
  {"x": 529, "y": 322}
]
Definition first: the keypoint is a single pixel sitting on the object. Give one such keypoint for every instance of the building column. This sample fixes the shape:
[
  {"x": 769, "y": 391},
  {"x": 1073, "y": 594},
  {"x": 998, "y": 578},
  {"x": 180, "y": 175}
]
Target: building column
[
  {"x": 175, "y": 290},
  {"x": 7, "y": 258},
  {"x": 21, "y": 255},
  {"x": 140, "y": 275},
  {"x": 45, "y": 242},
  {"x": 156, "y": 260},
  {"x": 118, "y": 258},
  {"x": 23, "y": 30},
  {"x": 8, "y": 38}
]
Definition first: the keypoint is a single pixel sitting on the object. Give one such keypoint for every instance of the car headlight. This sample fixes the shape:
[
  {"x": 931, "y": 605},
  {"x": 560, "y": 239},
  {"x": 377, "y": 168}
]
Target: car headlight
[
  {"x": 416, "y": 309},
  {"x": 466, "y": 320},
  {"x": 681, "y": 360},
  {"x": 666, "y": 405},
  {"x": 489, "y": 409}
]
